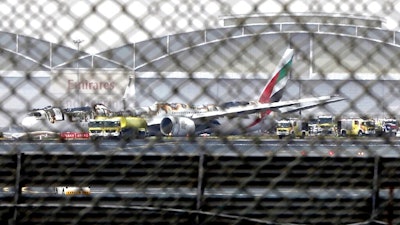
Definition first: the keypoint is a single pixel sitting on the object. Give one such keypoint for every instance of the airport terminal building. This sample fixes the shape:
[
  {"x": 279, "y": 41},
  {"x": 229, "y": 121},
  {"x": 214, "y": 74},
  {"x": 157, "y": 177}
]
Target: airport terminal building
[{"x": 353, "y": 56}]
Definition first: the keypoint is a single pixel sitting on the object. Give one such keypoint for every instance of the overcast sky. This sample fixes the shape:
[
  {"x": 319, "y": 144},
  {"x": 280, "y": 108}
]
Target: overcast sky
[{"x": 105, "y": 24}]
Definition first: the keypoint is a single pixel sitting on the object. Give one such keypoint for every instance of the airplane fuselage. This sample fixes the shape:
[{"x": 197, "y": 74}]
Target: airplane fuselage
[{"x": 56, "y": 120}]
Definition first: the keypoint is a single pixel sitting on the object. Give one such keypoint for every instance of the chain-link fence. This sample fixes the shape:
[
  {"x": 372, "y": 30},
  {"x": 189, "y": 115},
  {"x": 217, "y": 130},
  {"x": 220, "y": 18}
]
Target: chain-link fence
[{"x": 199, "y": 112}]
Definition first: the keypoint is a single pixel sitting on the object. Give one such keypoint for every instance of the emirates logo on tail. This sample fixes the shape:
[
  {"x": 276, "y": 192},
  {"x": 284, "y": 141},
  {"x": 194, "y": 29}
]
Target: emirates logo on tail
[{"x": 274, "y": 89}]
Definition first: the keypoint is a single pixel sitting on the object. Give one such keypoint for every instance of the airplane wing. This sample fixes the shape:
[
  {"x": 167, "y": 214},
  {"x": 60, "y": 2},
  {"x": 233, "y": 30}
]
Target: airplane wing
[
  {"x": 283, "y": 106},
  {"x": 308, "y": 105},
  {"x": 156, "y": 120}
]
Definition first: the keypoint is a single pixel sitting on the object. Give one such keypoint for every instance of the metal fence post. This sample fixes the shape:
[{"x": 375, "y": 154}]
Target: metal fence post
[
  {"x": 17, "y": 188},
  {"x": 200, "y": 184},
  {"x": 375, "y": 186}
]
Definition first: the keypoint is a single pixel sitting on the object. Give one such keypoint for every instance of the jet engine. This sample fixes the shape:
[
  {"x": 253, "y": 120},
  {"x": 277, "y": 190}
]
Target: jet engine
[{"x": 177, "y": 126}]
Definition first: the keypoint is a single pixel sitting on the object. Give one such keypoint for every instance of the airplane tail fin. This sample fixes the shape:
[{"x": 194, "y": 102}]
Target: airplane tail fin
[{"x": 274, "y": 89}]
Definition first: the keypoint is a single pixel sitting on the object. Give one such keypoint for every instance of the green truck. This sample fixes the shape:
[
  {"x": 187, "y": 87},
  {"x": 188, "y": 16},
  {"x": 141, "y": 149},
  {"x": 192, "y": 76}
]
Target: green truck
[{"x": 121, "y": 127}]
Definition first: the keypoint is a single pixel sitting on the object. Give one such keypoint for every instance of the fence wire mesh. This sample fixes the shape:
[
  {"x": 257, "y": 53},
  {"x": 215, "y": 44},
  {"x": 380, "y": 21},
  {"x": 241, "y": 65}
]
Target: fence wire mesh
[{"x": 199, "y": 112}]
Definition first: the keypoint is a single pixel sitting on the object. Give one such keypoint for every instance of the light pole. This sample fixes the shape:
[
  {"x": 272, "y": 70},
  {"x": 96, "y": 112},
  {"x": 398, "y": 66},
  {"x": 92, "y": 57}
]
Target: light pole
[{"x": 78, "y": 42}]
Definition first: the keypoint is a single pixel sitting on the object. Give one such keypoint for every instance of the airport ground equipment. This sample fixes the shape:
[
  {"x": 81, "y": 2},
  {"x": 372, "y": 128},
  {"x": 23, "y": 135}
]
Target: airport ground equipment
[
  {"x": 326, "y": 125},
  {"x": 356, "y": 127},
  {"x": 292, "y": 128},
  {"x": 386, "y": 127},
  {"x": 313, "y": 126},
  {"x": 126, "y": 127}
]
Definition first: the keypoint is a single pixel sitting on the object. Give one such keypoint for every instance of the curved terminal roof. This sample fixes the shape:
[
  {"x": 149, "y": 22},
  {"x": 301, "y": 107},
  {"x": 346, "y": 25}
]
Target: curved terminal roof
[
  {"x": 327, "y": 46},
  {"x": 303, "y": 18},
  {"x": 23, "y": 53}
]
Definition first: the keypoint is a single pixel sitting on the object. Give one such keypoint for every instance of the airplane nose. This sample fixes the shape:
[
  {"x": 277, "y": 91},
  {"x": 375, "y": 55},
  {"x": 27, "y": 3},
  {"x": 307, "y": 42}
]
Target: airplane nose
[{"x": 28, "y": 122}]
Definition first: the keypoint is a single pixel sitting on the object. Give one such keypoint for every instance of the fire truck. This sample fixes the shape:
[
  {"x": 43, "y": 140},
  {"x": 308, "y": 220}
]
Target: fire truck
[
  {"x": 291, "y": 128},
  {"x": 125, "y": 127},
  {"x": 356, "y": 127},
  {"x": 326, "y": 125}
]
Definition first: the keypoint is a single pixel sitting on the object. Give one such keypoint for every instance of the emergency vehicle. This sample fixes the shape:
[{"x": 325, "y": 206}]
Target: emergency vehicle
[
  {"x": 326, "y": 125},
  {"x": 291, "y": 128},
  {"x": 356, "y": 127},
  {"x": 126, "y": 127}
]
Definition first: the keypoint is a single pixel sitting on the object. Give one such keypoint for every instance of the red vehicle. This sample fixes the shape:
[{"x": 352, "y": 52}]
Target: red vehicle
[{"x": 74, "y": 135}]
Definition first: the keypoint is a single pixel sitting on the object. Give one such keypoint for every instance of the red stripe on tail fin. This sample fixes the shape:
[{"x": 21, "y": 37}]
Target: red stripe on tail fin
[{"x": 279, "y": 78}]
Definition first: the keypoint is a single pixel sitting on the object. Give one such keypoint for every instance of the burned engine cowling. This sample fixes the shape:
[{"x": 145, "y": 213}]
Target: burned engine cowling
[{"x": 177, "y": 126}]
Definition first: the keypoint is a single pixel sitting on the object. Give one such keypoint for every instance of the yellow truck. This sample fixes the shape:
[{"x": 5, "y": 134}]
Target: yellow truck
[
  {"x": 291, "y": 128},
  {"x": 122, "y": 127},
  {"x": 356, "y": 127},
  {"x": 326, "y": 125}
]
